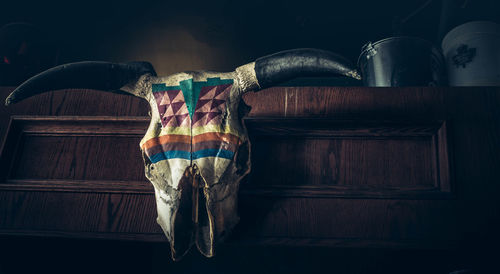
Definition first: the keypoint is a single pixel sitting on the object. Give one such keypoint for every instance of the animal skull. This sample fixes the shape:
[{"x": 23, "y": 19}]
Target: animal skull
[{"x": 196, "y": 148}]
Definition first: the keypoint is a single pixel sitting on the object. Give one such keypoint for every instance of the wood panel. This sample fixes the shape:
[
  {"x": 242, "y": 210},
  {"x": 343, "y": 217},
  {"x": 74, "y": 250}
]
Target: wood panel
[
  {"x": 414, "y": 103},
  {"x": 349, "y": 222},
  {"x": 407, "y": 168},
  {"x": 91, "y": 213},
  {"x": 356, "y": 158},
  {"x": 73, "y": 149}
]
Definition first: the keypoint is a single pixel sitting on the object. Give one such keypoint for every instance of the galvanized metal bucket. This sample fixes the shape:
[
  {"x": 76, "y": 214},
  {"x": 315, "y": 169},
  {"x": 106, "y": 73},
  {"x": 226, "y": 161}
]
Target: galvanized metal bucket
[{"x": 401, "y": 61}]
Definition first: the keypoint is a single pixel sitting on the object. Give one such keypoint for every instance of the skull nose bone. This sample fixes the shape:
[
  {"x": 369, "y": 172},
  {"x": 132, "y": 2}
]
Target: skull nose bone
[
  {"x": 192, "y": 218},
  {"x": 195, "y": 176}
]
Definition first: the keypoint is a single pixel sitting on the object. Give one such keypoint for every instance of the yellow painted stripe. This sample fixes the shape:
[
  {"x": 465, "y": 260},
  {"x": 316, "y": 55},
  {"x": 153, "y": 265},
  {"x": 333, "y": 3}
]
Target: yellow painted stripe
[
  {"x": 216, "y": 136},
  {"x": 215, "y": 128},
  {"x": 175, "y": 130}
]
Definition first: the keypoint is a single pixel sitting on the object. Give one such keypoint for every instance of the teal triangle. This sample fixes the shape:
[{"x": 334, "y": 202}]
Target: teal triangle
[
  {"x": 191, "y": 90},
  {"x": 191, "y": 93}
]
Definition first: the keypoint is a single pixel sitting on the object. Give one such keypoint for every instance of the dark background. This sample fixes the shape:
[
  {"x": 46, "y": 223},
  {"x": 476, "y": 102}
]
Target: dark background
[{"x": 220, "y": 35}]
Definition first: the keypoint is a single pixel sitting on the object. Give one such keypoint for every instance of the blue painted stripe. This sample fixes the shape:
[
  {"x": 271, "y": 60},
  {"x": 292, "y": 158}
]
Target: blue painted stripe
[
  {"x": 176, "y": 154},
  {"x": 171, "y": 154},
  {"x": 221, "y": 153}
]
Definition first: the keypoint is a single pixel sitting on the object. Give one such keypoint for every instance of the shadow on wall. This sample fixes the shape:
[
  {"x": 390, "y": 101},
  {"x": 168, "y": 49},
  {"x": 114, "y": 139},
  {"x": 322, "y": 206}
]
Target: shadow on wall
[
  {"x": 175, "y": 48},
  {"x": 221, "y": 35},
  {"x": 179, "y": 36}
]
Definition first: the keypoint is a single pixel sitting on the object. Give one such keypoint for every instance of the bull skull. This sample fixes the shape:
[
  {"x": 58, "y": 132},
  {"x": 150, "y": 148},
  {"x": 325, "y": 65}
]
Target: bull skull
[{"x": 196, "y": 149}]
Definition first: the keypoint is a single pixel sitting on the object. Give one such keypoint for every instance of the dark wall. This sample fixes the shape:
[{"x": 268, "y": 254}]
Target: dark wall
[{"x": 219, "y": 35}]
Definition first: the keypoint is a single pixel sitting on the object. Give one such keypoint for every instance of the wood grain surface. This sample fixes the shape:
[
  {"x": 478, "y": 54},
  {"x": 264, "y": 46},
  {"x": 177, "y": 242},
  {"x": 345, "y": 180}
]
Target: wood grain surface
[{"x": 351, "y": 167}]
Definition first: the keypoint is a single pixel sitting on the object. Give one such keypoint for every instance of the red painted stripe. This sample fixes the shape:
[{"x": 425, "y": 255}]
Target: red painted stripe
[
  {"x": 205, "y": 137},
  {"x": 167, "y": 147},
  {"x": 214, "y": 145},
  {"x": 171, "y": 138}
]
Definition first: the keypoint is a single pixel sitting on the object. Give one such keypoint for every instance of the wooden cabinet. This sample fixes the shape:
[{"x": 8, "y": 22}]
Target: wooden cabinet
[{"x": 332, "y": 167}]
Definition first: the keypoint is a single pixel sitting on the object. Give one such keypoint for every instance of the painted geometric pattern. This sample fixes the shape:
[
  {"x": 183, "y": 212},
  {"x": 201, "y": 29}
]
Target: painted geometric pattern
[
  {"x": 203, "y": 102},
  {"x": 172, "y": 108},
  {"x": 192, "y": 104},
  {"x": 211, "y": 105}
]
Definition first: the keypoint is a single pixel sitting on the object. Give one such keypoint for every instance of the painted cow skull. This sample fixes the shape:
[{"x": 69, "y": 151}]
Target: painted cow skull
[{"x": 196, "y": 149}]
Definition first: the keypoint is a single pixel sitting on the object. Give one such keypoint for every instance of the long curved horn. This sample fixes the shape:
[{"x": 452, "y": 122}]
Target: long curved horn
[
  {"x": 286, "y": 65},
  {"x": 104, "y": 76}
]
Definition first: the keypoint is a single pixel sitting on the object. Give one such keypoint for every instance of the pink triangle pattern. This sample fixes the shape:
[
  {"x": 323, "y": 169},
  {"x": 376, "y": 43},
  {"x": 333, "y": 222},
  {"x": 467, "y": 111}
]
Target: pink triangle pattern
[
  {"x": 211, "y": 105},
  {"x": 178, "y": 98},
  {"x": 208, "y": 92},
  {"x": 172, "y": 108},
  {"x": 165, "y": 100}
]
